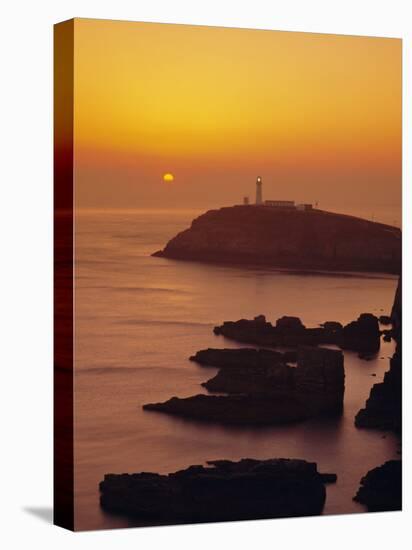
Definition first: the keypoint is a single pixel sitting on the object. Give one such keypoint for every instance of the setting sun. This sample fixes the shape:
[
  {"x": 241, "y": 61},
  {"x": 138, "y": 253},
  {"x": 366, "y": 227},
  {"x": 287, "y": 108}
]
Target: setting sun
[{"x": 168, "y": 177}]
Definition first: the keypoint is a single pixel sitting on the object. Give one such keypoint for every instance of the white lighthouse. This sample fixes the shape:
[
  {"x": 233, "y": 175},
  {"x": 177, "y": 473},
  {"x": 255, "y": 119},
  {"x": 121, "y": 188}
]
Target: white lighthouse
[{"x": 259, "y": 190}]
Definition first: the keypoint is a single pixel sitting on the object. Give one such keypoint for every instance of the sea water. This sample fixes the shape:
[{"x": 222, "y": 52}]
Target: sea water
[{"x": 138, "y": 318}]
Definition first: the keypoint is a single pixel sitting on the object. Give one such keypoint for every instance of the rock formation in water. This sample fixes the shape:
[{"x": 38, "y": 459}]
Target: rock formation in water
[
  {"x": 266, "y": 393},
  {"x": 381, "y": 488},
  {"x": 383, "y": 409},
  {"x": 303, "y": 240},
  {"x": 223, "y": 491},
  {"x": 362, "y": 335},
  {"x": 242, "y": 357},
  {"x": 252, "y": 410}
]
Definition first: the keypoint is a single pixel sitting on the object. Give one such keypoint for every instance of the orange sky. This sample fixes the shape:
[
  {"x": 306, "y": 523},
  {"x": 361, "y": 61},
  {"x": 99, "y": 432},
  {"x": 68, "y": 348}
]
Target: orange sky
[{"x": 317, "y": 116}]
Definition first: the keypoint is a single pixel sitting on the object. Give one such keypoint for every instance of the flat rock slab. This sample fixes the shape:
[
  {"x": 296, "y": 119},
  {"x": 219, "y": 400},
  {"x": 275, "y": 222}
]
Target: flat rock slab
[
  {"x": 223, "y": 491},
  {"x": 267, "y": 394}
]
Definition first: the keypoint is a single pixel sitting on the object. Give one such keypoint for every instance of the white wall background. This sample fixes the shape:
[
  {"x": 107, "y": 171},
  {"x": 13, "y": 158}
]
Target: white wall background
[{"x": 26, "y": 270}]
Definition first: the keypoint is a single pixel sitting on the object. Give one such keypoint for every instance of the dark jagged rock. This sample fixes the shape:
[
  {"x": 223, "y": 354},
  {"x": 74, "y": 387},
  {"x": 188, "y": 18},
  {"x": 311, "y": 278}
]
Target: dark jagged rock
[
  {"x": 320, "y": 380},
  {"x": 288, "y": 332},
  {"x": 277, "y": 378},
  {"x": 223, "y": 491},
  {"x": 385, "y": 320},
  {"x": 268, "y": 394},
  {"x": 387, "y": 335},
  {"x": 251, "y": 410},
  {"x": 260, "y": 319},
  {"x": 290, "y": 324},
  {"x": 383, "y": 409},
  {"x": 247, "y": 370},
  {"x": 362, "y": 335},
  {"x": 242, "y": 357},
  {"x": 249, "y": 332},
  {"x": 333, "y": 326},
  {"x": 381, "y": 489},
  {"x": 313, "y": 240}
]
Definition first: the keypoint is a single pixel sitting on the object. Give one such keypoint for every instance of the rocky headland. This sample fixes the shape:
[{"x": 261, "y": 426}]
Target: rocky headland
[
  {"x": 223, "y": 491},
  {"x": 290, "y": 239}
]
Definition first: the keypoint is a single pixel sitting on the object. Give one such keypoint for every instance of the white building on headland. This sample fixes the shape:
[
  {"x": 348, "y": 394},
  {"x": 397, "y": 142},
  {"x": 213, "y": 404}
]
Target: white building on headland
[
  {"x": 287, "y": 205},
  {"x": 280, "y": 204},
  {"x": 304, "y": 206}
]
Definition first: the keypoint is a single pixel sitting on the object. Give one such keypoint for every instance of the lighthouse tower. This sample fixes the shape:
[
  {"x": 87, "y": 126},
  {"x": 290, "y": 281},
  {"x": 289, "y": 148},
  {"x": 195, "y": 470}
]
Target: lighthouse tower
[{"x": 259, "y": 190}]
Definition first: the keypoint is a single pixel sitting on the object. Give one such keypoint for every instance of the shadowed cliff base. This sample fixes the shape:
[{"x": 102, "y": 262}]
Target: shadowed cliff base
[
  {"x": 383, "y": 408},
  {"x": 381, "y": 488},
  {"x": 301, "y": 240}
]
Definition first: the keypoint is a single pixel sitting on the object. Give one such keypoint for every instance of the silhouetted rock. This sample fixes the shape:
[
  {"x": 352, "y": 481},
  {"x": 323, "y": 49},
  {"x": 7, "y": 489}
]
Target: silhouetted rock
[
  {"x": 363, "y": 334},
  {"x": 223, "y": 491},
  {"x": 268, "y": 393},
  {"x": 320, "y": 380},
  {"x": 250, "y": 332},
  {"x": 286, "y": 324},
  {"x": 242, "y": 357},
  {"x": 381, "y": 488},
  {"x": 333, "y": 326},
  {"x": 288, "y": 332},
  {"x": 385, "y": 320},
  {"x": 260, "y": 319},
  {"x": 311, "y": 240},
  {"x": 234, "y": 409},
  {"x": 269, "y": 379},
  {"x": 383, "y": 409}
]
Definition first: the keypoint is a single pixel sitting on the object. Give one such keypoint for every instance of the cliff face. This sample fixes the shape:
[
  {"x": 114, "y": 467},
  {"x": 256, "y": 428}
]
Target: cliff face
[
  {"x": 383, "y": 409},
  {"x": 288, "y": 238}
]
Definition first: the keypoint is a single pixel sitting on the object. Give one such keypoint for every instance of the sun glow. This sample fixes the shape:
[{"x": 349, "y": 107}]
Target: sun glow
[
  {"x": 324, "y": 112},
  {"x": 168, "y": 177}
]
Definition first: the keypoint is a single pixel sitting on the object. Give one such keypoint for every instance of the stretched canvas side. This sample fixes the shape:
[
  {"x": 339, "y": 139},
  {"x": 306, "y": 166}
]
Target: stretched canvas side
[{"x": 63, "y": 275}]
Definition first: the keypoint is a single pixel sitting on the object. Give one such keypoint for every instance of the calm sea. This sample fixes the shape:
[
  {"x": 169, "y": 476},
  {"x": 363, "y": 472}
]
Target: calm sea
[{"x": 139, "y": 318}]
